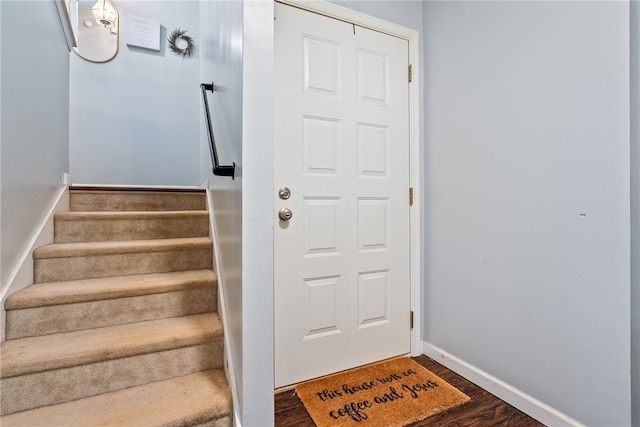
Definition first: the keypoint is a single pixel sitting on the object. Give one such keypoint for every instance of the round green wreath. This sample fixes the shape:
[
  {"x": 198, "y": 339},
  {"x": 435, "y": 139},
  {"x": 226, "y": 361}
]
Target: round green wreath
[{"x": 179, "y": 34}]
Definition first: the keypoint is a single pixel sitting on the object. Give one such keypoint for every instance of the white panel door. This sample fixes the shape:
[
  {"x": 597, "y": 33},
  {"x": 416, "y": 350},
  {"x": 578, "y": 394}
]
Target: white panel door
[{"x": 342, "y": 282}]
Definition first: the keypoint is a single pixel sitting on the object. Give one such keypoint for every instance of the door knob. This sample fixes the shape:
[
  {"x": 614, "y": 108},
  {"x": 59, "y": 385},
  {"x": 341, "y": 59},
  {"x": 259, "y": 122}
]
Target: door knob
[{"x": 285, "y": 214}]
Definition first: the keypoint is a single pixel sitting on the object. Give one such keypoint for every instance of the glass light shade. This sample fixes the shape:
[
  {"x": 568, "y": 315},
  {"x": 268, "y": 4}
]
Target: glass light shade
[{"x": 105, "y": 13}]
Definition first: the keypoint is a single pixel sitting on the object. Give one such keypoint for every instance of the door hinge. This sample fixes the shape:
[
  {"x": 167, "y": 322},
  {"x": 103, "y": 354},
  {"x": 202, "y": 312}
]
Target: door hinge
[
  {"x": 410, "y": 73},
  {"x": 411, "y": 319},
  {"x": 410, "y": 196}
]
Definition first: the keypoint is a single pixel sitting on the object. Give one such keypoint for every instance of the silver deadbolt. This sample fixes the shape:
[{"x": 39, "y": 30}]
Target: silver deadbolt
[
  {"x": 285, "y": 214},
  {"x": 284, "y": 193}
]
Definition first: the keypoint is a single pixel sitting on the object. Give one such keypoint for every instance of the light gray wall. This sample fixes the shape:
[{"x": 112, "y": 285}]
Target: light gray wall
[
  {"x": 135, "y": 120},
  {"x": 407, "y": 13},
  {"x": 527, "y": 129},
  {"x": 35, "y": 119},
  {"x": 221, "y": 63},
  {"x": 635, "y": 211}
]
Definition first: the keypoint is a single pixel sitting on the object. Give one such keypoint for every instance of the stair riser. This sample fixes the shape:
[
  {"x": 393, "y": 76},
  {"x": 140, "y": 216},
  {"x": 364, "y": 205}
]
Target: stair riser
[
  {"x": 135, "y": 201},
  {"x": 130, "y": 229},
  {"x": 95, "y": 266},
  {"x": 94, "y": 314},
  {"x": 63, "y": 385}
]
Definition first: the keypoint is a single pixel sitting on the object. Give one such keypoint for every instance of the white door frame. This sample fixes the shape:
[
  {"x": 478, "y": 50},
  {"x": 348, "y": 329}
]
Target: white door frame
[{"x": 415, "y": 212}]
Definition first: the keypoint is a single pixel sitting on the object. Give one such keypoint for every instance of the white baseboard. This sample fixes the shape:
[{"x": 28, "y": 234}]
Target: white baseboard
[
  {"x": 228, "y": 363},
  {"x": 229, "y": 367},
  {"x": 515, "y": 397},
  {"x": 21, "y": 275}
]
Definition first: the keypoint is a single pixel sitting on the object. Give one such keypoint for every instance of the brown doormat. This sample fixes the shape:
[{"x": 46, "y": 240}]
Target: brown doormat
[{"x": 386, "y": 394}]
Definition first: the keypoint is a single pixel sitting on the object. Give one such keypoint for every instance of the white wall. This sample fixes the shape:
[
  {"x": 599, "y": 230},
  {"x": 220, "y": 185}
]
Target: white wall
[
  {"x": 526, "y": 129},
  {"x": 257, "y": 196},
  {"x": 238, "y": 57},
  {"x": 635, "y": 211},
  {"x": 1, "y": 269},
  {"x": 221, "y": 63},
  {"x": 257, "y": 216},
  {"x": 35, "y": 116},
  {"x": 135, "y": 120}
]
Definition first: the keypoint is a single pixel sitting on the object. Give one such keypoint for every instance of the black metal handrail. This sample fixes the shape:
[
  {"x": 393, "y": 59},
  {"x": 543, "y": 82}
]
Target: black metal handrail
[{"x": 218, "y": 169}]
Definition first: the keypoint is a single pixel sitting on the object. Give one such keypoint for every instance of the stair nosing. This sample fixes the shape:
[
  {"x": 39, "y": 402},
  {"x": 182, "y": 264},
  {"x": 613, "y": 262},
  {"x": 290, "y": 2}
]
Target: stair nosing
[
  {"x": 98, "y": 344},
  {"x": 134, "y": 189},
  {"x": 86, "y": 290}
]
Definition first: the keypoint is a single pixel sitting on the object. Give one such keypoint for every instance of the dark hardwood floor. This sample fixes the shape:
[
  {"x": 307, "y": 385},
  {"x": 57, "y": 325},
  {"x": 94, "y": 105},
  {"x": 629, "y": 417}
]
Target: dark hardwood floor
[{"x": 484, "y": 409}]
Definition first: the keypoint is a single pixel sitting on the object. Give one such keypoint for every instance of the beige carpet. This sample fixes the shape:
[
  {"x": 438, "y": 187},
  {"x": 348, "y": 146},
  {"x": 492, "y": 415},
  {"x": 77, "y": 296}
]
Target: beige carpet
[
  {"x": 388, "y": 394},
  {"x": 121, "y": 328}
]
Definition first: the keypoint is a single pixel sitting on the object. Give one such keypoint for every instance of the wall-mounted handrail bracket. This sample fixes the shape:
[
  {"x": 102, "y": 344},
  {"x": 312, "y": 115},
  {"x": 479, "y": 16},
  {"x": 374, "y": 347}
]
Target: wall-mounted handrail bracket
[{"x": 218, "y": 169}]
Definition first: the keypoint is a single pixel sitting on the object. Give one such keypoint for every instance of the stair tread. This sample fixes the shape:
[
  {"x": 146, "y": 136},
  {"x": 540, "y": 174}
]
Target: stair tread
[
  {"x": 126, "y": 215},
  {"x": 181, "y": 401},
  {"x": 75, "y": 291},
  {"x": 63, "y": 250},
  {"x": 37, "y": 354}
]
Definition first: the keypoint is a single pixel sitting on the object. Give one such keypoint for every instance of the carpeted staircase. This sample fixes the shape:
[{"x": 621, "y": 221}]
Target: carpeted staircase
[{"x": 121, "y": 326}]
